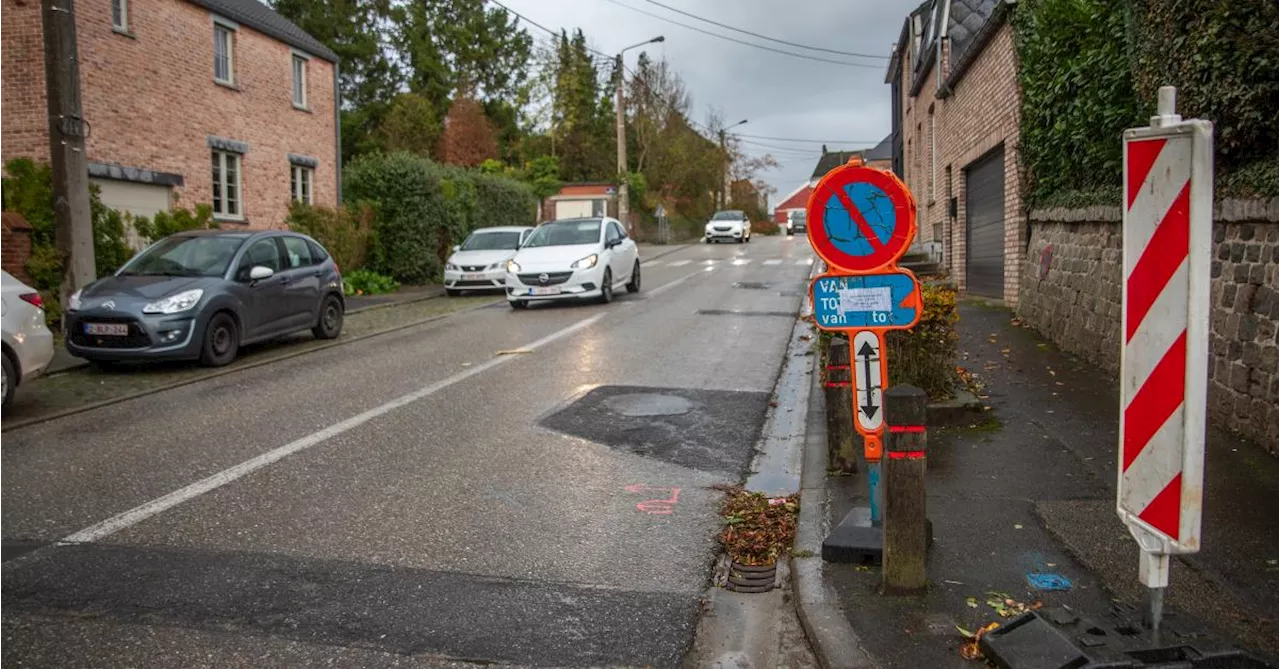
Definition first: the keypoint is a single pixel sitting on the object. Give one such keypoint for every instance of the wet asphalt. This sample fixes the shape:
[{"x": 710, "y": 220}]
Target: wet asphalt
[{"x": 506, "y": 514}]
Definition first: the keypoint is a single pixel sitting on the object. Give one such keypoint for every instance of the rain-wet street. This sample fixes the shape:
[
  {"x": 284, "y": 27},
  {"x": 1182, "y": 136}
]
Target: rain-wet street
[{"x": 530, "y": 487}]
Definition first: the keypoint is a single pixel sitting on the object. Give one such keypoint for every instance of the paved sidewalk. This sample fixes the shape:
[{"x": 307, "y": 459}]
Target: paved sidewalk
[{"x": 1033, "y": 491}]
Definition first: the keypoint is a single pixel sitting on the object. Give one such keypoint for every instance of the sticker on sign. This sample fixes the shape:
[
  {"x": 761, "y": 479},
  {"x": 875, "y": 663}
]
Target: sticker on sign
[{"x": 866, "y": 299}]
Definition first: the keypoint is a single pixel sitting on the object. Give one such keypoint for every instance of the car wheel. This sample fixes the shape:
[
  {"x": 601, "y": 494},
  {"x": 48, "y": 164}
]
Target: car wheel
[
  {"x": 518, "y": 304},
  {"x": 606, "y": 288},
  {"x": 452, "y": 292},
  {"x": 633, "y": 286},
  {"x": 221, "y": 341},
  {"x": 10, "y": 379},
  {"x": 330, "y": 324}
]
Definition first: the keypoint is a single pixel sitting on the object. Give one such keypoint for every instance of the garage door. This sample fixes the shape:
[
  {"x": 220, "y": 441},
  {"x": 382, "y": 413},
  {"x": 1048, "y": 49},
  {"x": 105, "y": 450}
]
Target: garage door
[
  {"x": 984, "y": 238},
  {"x": 573, "y": 209},
  {"x": 134, "y": 198}
]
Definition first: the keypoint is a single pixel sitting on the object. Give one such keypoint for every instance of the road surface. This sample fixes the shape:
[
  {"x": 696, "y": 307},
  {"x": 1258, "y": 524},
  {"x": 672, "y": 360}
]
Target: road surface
[{"x": 490, "y": 487}]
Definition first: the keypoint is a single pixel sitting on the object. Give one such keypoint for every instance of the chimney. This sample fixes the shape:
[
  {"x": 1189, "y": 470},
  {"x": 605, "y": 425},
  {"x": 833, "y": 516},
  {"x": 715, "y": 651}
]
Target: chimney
[{"x": 824, "y": 149}]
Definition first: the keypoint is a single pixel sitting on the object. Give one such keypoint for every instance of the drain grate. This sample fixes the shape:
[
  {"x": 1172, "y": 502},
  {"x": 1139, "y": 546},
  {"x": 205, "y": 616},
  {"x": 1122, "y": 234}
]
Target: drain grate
[{"x": 740, "y": 312}]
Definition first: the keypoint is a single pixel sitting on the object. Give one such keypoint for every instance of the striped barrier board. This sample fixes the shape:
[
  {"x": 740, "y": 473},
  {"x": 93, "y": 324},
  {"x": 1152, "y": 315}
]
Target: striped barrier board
[{"x": 1168, "y": 218}]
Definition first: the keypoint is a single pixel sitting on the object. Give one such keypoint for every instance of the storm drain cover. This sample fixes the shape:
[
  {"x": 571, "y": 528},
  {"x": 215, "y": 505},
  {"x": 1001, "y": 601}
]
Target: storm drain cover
[
  {"x": 638, "y": 405},
  {"x": 710, "y": 430},
  {"x": 741, "y": 312}
]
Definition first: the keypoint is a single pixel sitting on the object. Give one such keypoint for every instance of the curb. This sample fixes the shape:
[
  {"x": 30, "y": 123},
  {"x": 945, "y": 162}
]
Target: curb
[
  {"x": 420, "y": 298},
  {"x": 833, "y": 640},
  {"x": 18, "y": 424}
]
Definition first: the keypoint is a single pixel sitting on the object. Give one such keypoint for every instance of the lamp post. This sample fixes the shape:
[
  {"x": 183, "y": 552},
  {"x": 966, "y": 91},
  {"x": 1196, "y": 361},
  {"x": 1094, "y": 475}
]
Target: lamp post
[
  {"x": 724, "y": 176},
  {"x": 624, "y": 203}
]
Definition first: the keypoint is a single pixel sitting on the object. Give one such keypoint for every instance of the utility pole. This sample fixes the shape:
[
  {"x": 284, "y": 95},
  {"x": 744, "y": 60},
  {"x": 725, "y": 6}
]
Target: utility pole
[
  {"x": 624, "y": 203},
  {"x": 73, "y": 222},
  {"x": 724, "y": 174}
]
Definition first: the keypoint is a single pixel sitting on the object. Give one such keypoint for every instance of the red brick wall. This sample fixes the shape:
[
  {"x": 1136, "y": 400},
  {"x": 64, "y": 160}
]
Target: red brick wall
[
  {"x": 980, "y": 115},
  {"x": 15, "y": 246},
  {"x": 151, "y": 100}
]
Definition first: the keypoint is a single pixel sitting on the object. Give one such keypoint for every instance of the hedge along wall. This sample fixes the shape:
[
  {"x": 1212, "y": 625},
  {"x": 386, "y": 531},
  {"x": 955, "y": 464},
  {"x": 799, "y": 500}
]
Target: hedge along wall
[
  {"x": 1088, "y": 69},
  {"x": 423, "y": 208}
]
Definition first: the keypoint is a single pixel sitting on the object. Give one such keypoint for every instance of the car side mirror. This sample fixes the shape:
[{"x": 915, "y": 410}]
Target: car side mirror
[
  {"x": 260, "y": 272},
  {"x": 610, "y": 243}
]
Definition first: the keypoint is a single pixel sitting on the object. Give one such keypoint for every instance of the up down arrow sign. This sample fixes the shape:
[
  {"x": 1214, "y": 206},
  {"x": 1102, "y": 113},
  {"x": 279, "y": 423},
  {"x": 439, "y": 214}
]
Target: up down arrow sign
[{"x": 868, "y": 382}]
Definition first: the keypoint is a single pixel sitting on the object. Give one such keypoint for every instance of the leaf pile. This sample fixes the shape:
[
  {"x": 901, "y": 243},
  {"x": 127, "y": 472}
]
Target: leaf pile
[
  {"x": 757, "y": 529},
  {"x": 969, "y": 650}
]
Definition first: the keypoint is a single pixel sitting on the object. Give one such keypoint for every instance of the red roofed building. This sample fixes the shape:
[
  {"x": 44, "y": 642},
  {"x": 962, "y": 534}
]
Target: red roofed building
[{"x": 796, "y": 201}]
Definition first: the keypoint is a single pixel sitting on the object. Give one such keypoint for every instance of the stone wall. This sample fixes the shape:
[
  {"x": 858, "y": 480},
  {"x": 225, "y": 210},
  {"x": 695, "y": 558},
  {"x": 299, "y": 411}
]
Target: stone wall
[{"x": 1071, "y": 283}]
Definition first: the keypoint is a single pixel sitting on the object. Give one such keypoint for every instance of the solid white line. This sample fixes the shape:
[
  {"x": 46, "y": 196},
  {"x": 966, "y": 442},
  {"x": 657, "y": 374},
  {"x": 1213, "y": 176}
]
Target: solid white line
[
  {"x": 775, "y": 261},
  {"x": 140, "y": 513}
]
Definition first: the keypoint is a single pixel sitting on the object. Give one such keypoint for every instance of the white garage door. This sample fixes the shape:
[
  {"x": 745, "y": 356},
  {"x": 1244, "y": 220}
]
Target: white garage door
[
  {"x": 573, "y": 209},
  {"x": 134, "y": 198}
]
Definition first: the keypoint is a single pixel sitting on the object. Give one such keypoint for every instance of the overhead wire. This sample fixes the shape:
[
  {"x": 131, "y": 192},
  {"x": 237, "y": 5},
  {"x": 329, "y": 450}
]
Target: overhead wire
[{"x": 766, "y": 37}]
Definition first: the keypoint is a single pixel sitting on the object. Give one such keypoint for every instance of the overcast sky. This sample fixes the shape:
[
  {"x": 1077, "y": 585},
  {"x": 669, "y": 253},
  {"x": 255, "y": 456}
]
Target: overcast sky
[{"x": 780, "y": 96}]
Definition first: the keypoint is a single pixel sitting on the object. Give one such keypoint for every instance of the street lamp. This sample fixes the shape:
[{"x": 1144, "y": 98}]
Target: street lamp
[
  {"x": 724, "y": 176},
  {"x": 624, "y": 203}
]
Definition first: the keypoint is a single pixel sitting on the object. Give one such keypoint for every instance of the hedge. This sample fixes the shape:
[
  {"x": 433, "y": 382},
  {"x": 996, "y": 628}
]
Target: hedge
[{"x": 422, "y": 209}]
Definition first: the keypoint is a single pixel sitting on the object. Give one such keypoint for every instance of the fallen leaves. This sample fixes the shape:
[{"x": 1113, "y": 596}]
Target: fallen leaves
[
  {"x": 969, "y": 649},
  {"x": 1008, "y": 607},
  {"x": 757, "y": 528}
]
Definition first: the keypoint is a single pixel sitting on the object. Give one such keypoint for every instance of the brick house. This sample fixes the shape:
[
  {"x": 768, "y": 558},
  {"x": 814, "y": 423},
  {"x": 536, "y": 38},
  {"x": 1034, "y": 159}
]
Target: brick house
[
  {"x": 221, "y": 102},
  {"x": 953, "y": 76}
]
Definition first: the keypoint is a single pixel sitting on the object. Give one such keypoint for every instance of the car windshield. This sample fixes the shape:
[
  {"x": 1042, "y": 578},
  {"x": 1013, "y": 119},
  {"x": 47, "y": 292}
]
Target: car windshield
[
  {"x": 727, "y": 216},
  {"x": 184, "y": 256},
  {"x": 798, "y": 216},
  {"x": 566, "y": 233},
  {"x": 492, "y": 241}
]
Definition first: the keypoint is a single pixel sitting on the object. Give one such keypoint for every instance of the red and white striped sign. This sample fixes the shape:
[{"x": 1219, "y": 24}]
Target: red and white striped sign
[{"x": 1167, "y": 244}]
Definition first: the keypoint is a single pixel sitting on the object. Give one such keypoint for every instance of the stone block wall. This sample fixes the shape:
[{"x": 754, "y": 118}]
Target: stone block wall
[{"x": 1071, "y": 292}]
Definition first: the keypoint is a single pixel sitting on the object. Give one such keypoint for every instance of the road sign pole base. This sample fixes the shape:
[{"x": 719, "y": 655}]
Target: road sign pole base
[{"x": 855, "y": 539}]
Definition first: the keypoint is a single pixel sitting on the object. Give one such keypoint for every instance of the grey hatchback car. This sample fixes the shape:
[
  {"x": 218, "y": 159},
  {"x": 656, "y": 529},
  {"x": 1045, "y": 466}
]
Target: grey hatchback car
[{"x": 200, "y": 295}]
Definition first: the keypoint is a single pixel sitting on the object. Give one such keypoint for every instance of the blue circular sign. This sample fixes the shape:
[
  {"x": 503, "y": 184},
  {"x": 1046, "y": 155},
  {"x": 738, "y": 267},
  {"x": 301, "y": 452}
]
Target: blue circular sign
[{"x": 877, "y": 212}]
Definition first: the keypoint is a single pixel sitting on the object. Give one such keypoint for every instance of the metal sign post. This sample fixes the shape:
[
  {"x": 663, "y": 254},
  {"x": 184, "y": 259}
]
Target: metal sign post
[
  {"x": 1168, "y": 238},
  {"x": 861, "y": 221}
]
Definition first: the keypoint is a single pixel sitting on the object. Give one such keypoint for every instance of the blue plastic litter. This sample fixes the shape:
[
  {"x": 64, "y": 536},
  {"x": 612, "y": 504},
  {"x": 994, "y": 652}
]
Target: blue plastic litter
[{"x": 1049, "y": 581}]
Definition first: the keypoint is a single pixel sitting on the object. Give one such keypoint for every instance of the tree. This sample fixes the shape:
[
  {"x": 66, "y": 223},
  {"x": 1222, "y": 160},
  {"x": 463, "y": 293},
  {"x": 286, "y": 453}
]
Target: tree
[
  {"x": 468, "y": 138},
  {"x": 581, "y": 112},
  {"x": 411, "y": 124},
  {"x": 354, "y": 30}
]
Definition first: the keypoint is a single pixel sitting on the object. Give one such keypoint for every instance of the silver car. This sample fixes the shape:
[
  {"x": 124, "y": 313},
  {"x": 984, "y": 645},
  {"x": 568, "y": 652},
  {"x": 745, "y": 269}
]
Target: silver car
[
  {"x": 201, "y": 295},
  {"x": 28, "y": 344}
]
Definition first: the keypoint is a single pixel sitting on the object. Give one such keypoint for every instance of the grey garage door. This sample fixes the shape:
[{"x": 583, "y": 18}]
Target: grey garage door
[{"x": 984, "y": 235}]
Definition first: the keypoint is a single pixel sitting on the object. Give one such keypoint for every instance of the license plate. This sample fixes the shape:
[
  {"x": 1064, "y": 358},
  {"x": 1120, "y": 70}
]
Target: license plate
[
  {"x": 545, "y": 290},
  {"x": 108, "y": 329},
  {"x": 473, "y": 277}
]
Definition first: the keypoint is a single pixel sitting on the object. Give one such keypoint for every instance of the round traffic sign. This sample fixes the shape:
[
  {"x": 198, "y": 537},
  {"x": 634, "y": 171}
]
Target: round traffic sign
[{"x": 860, "y": 218}]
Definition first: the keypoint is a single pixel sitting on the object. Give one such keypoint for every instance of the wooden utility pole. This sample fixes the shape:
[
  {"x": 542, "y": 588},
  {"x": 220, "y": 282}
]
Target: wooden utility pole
[
  {"x": 624, "y": 203},
  {"x": 67, "y": 131},
  {"x": 906, "y": 528}
]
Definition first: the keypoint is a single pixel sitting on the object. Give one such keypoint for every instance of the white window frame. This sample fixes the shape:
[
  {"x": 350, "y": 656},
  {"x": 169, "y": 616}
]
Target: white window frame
[
  {"x": 296, "y": 87},
  {"x": 297, "y": 175},
  {"x": 220, "y": 201},
  {"x": 230, "y": 28},
  {"x": 123, "y": 25}
]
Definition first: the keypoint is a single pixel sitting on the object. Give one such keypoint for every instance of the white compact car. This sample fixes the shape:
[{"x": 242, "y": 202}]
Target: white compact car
[
  {"x": 480, "y": 261},
  {"x": 731, "y": 225},
  {"x": 576, "y": 258},
  {"x": 28, "y": 344}
]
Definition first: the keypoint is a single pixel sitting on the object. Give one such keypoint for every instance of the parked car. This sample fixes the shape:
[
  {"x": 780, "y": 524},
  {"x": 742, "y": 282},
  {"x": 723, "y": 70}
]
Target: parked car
[
  {"x": 201, "y": 295},
  {"x": 796, "y": 222},
  {"x": 731, "y": 224},
  {"x": 28, "y": 343},
  {"x": 479, "y": 262},
  {"x": 576, "y": 258}
]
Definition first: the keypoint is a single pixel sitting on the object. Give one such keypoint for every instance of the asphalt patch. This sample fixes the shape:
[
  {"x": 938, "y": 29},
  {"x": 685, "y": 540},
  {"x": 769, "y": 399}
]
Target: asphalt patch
[
  {"x": 741, "y": 312},
  {"x": 395, "y": 609},
  {"x": 718, "y": 433}
]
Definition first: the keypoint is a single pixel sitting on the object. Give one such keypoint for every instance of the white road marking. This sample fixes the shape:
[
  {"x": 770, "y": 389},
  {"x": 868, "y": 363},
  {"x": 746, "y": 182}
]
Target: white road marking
[
  {"x": 773, "y": 261},
  {"x": 806, "y": 261},
  {"x": 160, "y": 504},
  {"x": 679, "y": 263},
  {"x": 742, "y": 261}
]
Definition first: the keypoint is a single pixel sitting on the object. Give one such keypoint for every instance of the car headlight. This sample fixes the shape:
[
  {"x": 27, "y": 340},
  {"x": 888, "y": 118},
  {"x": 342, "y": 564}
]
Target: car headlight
[
  {"x": 513, "y": 266},
  {"x": 451, "y": 266},
  {"x": 74, "y": 302},
  {"x": 174, "y": 303},
  {"x": 587, "y": 262}
]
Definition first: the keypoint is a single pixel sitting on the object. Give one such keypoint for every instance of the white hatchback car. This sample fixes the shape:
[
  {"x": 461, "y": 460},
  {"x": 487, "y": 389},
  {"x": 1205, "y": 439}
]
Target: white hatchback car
[
  {"x": 479, "y": 262},
  {"x": 732, "y": 225},
  {"x": 28, "y": 344},
  {"x": 576, "y": 258}
]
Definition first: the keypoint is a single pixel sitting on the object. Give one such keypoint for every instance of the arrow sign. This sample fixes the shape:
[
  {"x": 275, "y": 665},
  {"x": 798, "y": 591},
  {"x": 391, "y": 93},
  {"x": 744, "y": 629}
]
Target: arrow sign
[{"x": 868, "y": 382}]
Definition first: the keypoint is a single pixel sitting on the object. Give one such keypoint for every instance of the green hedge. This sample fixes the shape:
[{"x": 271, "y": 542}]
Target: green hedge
[
  {"x": 422, "y": 209},
  {"x": 1091, "y": 68}
]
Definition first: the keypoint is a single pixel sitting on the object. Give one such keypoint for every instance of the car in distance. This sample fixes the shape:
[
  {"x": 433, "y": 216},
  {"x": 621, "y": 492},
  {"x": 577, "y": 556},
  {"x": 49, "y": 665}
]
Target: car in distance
[
  {"x": 201, "y": 295},
  {"x": 731, "y": 225},
  {"x": 28, "y": 343},
  {"x": 796, "y": 222},
  {"x": 574, "y": 258},
  {"x": 480, "y": 261}
]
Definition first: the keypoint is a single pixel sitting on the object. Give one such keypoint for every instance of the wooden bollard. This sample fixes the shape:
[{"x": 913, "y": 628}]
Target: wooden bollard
[
  {"x": 905, "y": 522},
  {"x": 841, "y": 456}
]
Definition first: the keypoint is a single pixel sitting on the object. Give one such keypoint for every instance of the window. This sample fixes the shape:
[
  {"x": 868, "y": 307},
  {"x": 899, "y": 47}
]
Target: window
[
  {"x": 263, "y": 253},
  {"x": 226, "y": 185},
  {"x": 224, "y": 54},
  {"x": 120, "y": 15},
  {"x": 300, "y": 180},
  {"x": 618, "y": 232},
  {"x": 299, "y": 81},
  {"x": 933, "y": 157},
  {"x": 296, "y": 252},
  {"x": 318, "y": 254}
]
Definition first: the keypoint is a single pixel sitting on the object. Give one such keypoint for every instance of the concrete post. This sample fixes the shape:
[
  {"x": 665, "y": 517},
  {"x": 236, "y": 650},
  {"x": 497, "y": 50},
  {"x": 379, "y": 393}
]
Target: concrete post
[
  {"x": 905, "y": 524},
  {"x": 841, "y": 455}
]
